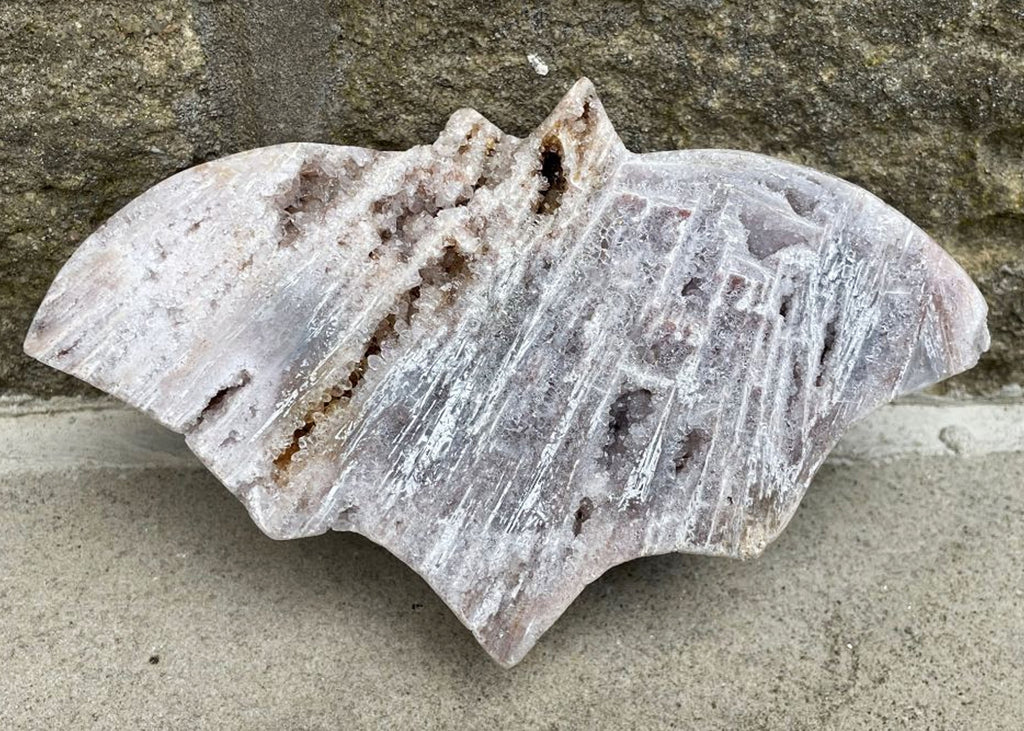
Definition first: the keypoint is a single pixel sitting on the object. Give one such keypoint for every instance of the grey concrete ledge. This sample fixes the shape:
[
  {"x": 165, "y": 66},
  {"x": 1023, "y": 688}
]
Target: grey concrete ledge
[
  {"x": 71, "y": 432},
  {"x": 136, "y": 593}
]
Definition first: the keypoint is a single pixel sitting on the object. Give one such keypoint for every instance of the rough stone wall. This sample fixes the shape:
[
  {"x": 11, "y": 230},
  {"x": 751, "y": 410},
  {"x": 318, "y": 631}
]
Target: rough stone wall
[{"x": 921, "y": 102}]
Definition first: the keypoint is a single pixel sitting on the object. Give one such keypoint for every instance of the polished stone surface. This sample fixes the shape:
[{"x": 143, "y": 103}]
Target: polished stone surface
[{"x": 514, "y": 363}]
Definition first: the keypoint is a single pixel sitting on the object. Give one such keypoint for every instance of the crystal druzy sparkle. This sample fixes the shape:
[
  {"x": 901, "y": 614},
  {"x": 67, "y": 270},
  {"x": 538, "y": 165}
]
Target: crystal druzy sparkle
[{"x": 513, "y": 362}]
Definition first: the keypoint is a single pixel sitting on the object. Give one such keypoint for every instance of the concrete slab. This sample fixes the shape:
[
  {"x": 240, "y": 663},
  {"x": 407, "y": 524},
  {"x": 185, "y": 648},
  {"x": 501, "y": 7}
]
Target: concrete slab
[{"x": 135, "y": 592}]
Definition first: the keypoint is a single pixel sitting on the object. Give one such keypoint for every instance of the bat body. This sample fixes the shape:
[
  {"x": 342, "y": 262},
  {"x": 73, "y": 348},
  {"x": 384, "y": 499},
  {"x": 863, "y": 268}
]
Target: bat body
[{"x": 513, "y": 362}]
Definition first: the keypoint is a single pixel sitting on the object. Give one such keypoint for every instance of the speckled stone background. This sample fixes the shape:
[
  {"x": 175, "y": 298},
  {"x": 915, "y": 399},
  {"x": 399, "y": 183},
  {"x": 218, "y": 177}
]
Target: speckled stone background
[{"x": 921, "y": 102}]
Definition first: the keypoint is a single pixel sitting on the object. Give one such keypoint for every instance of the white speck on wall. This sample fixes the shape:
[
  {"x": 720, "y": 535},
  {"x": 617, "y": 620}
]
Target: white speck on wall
[{"x": 539, "y": 66}]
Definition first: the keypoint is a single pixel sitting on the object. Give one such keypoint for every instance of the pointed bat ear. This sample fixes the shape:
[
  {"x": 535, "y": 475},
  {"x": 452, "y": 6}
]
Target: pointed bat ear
[{"x": 514, "y": 363}]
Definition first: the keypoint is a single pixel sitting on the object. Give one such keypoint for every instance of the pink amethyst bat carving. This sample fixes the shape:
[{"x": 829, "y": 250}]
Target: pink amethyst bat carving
[{"x": 512, "y": 362}]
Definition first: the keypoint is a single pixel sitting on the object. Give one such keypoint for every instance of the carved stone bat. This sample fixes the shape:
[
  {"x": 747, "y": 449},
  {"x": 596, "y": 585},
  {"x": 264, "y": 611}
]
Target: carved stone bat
[{"x": 512, "y": 362}]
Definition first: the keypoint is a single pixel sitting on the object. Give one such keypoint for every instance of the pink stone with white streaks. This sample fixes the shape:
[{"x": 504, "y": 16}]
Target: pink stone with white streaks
[{"x": 514, "y": 363}]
